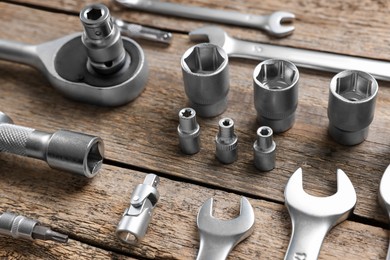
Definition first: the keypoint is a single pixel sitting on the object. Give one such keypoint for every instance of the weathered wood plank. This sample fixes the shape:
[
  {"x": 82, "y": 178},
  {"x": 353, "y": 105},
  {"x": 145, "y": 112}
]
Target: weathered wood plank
[
  {"x": 143, "y": 133},
  {"x": 350, "y": 27},
  {"x": 89, "y": 210}
]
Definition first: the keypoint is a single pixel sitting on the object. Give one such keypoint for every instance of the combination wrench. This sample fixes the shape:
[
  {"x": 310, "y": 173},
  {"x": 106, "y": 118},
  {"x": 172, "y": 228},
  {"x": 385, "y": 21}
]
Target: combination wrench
[
  {"x": 272, "y": 23},
  {"x": 219, "y": 237},
  {"x": 316, "y": 60},
  {"x": 312, "y": 217},
  {"x": 384, "y": 197}
]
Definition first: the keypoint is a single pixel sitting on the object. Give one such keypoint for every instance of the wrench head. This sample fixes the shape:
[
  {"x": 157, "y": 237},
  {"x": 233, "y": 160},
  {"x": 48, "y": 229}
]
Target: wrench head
[
  {"x": 333, "y": 209},
  {"x": 235, "y": 229},
  {"x": 384, "y": 191},
  {"x": 275, "y": 25},
  {"x": 212, "y": 34}
]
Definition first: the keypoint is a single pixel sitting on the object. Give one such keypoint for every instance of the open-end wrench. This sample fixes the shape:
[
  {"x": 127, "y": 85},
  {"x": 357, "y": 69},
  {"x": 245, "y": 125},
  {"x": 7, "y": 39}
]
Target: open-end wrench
[
  {"x": 316, "y": 60},
  {"x": 219, "y": 237},
  {"x": 312, "y": 217},
  {"x": 272, "y": 23},
  {"x": 384, "y": 197}
]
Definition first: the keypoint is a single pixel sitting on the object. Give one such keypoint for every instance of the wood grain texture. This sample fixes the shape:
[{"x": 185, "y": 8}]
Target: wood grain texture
[
  {"x": 89, "y": 210},
  {"x": 142, "y": 135}
]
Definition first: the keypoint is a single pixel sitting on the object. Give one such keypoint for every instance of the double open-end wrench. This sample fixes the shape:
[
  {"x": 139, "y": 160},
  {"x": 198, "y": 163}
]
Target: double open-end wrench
[
  {"x": 316, "y": 60},
  {"x": 219, "y": 237},
  {"x": 312, "y": 217},
  {"x": 272, "y": 23},
  {"x": 384, "y": 197}
]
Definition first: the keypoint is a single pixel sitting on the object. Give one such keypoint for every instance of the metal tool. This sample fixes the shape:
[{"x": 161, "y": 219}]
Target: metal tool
[
  {"x": 188, "y": 131},
  {"x": 272, "y": 23},
  {"x": 264, "y": 149},
  {"x": 384, "y": 197},
  {"x": 316, "y": 60},
  {"x": 65, "y": 150},
  {"x": 97, "y": 67},
  {"x": 219, "y": 237},
  {"x": 351, "y": 106},
  {"x": 206, "y": 78},
  {"x": 275, "y": 85},
  {"x": 135, "y": 220},
  {"x": 133, "y": 30},
  {"x": 226, "y": 141},
  {"x": 19, "y": 226},
  {"x": 312, "y": 217}
]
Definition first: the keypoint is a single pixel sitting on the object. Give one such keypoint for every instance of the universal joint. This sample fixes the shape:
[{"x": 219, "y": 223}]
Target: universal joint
[{"x": 135, "y": 220}]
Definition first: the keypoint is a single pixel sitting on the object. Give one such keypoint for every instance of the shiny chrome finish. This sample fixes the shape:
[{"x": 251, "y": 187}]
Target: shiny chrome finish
[
  {"x": 312, "y": 217},
  {"x": 351, "y": 106},
  {"x": 135, "y": 220},
  {"x": 384, "y": 197},
  {"x": 219, "y": 237},
  {"x": 264, "y": 149},
  {"x": 65, "y": 150},
  {"x": 142, "y": 32},
  {"x": 106, "y": 80},
  {"x": 316, "y": 60},
  {"x": 188, "y": 131},
  {"x": 272, "y": 23},
  {"x": 206, "y": 79},
  {"x": 275, "y": 85},
  {"x": 19, "y": 226},
  {"x": 226, "y": 142}
]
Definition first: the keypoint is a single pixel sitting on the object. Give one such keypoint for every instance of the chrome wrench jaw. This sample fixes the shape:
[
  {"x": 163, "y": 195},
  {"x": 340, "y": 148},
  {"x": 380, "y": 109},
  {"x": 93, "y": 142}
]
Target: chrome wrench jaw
[
  {"x": 384, "y": 197},
  {"x": 219, "y": 237},
  {"x": 276, "y": 26},
  {"x": 312, "y": 217}
]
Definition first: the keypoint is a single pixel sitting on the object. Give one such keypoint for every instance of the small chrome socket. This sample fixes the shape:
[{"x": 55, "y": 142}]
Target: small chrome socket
[
  {"x": 351, "y": 106},
  {"x": 226, "y": 142},
  {"x": 102, "y": 39},
  {"x": 275, "y": 85},
  {"x": 264, "y": 149},
  {"x": 188, "y": 131},
  {"x": 206, "y": 78}
]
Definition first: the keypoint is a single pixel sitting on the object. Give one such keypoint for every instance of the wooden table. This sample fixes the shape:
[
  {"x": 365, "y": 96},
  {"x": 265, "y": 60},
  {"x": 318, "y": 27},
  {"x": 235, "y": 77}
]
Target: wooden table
[{"x": 141, "y": 138}]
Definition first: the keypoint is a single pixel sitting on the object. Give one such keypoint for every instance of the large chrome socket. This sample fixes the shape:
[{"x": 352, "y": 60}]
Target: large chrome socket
[
  {"x": 206, "y": 78},
  {"x": 275, "y": 85},
  {"x": 351, "y": 106}
]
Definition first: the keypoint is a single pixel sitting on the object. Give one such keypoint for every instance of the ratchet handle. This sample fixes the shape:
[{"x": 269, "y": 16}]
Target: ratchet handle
[
  {"x": 19, "y": 52},
  {"x": 316, "y": 60}
]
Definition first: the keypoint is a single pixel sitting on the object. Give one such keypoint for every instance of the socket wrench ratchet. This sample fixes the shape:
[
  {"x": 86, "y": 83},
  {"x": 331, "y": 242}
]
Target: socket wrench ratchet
[
  {"x": 272, "y": 23},
  {"x": 316, "y": 60},
  {"x": 312, "y": 217},
  {"x": 97, "y": 67},
  {"x": 219, "y": 237}
]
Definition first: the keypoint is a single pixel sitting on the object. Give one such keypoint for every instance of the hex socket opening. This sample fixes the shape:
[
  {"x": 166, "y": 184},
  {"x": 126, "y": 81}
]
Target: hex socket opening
[
  {"x": 204, "y": 60},
  {"x": 94, "y": 158},
  {"x": 127, "y": 237},
  {"x": 354, "y": 86},
  {"x": 276, "y": 74}
]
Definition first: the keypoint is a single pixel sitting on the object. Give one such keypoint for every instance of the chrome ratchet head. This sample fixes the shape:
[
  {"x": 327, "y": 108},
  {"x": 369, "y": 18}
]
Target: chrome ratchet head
[
  {"x": 235, "y": 229},
  {"x": 384, "y": 191},
  {"x": 276, "y": 26},
  {"x": 333, "y": 209}
]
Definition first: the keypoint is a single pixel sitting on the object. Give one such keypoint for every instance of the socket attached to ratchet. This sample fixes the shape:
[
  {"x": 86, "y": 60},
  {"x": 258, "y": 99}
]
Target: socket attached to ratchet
[
  {"x": 98, "y": 66},
  {"x": 135, "y": 220},
  {"x": 65, "y": 150}
]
